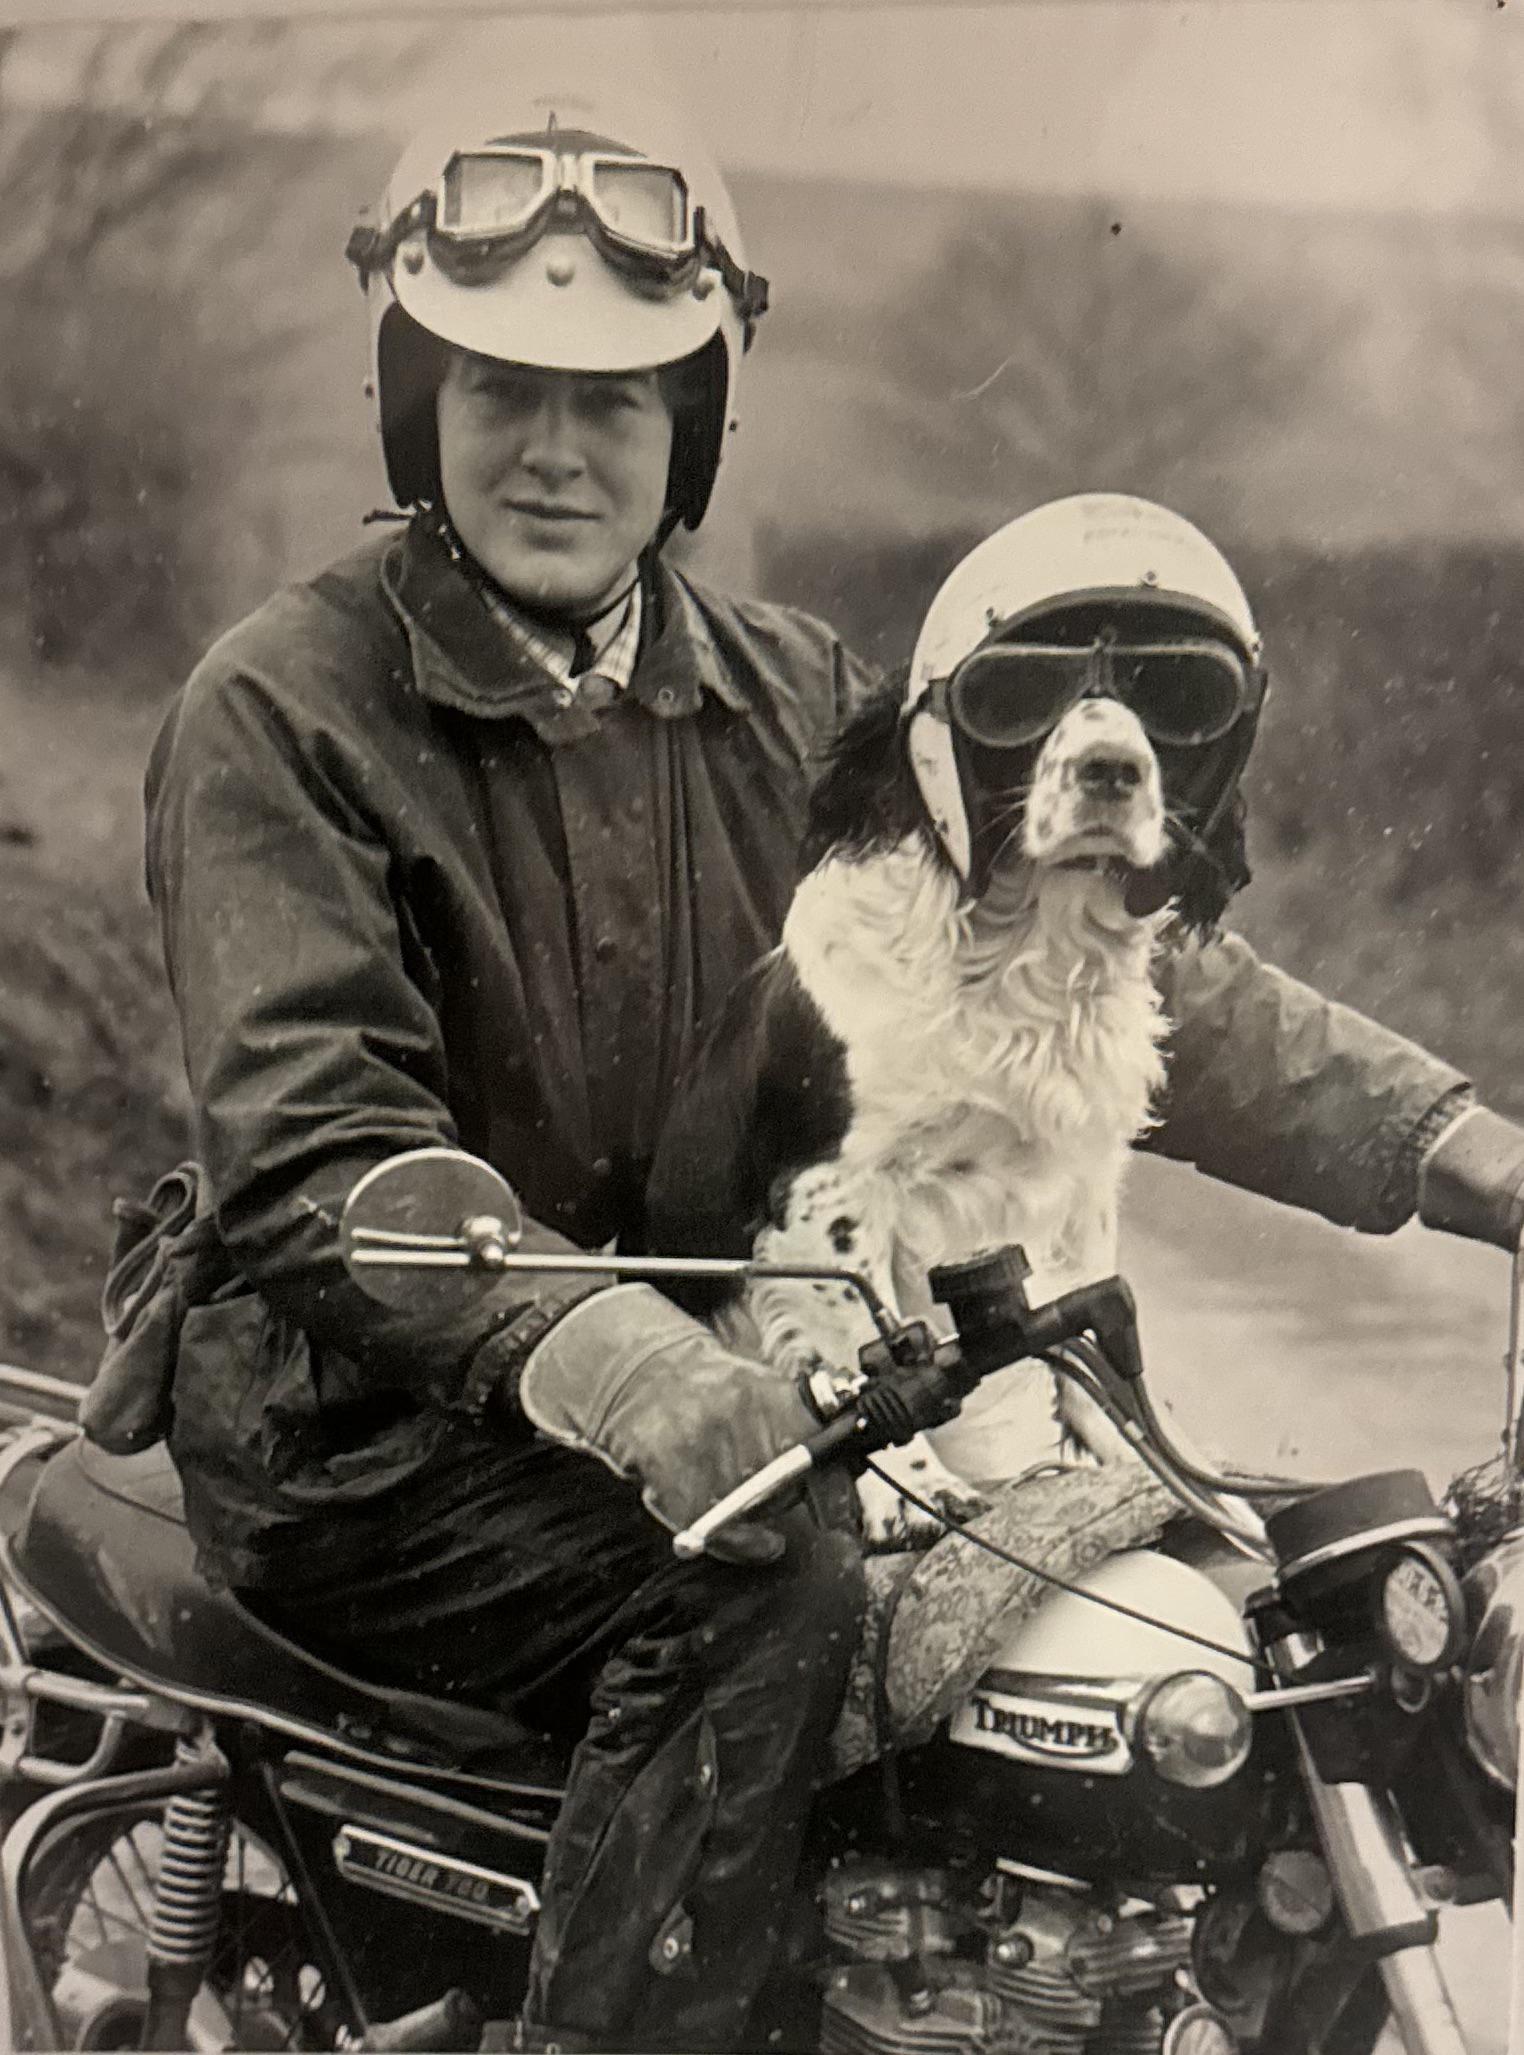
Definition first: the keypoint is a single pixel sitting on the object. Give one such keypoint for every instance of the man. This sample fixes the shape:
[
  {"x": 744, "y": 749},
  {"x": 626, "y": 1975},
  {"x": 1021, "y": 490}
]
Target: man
[{"x": 465, "y": 840}]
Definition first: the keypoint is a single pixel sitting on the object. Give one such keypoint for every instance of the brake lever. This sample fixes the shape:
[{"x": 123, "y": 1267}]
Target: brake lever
[
  {"x": 771, "y": 1479},
  {"x": 915, "y": 1381}
]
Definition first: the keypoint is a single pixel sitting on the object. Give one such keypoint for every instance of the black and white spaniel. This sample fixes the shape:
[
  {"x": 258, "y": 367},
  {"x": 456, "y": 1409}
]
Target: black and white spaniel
[{"x": 923, "y": 1070}]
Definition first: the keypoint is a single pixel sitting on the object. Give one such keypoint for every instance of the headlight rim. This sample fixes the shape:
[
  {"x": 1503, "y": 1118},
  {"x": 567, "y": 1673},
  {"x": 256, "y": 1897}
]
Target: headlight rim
[{"x": 1146, "y": 1751}]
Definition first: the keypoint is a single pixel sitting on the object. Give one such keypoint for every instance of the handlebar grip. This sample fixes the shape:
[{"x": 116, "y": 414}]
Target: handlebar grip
[{"x": 1471, "y": 1182}]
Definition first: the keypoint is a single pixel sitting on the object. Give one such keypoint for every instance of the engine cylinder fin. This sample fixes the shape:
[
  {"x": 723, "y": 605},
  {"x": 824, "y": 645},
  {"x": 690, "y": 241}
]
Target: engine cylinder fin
[
  {"x": 1135, "y": 1955},
  {"x": 1049, "y": 1996},
  {"x": 887, "y": 1912},
  {"x": 885, "y": 1934}
]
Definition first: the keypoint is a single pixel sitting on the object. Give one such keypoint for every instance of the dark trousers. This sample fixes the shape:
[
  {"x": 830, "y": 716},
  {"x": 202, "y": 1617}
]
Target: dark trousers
[{"x": 704, "y": 1693}]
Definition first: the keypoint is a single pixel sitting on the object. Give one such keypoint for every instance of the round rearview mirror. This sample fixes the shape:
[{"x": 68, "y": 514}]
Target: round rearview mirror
[{"x": 424, "y": 1229}]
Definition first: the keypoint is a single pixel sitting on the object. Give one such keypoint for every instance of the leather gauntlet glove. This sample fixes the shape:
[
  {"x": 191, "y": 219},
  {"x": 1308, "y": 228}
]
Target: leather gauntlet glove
[
  {"x": 1472, "y": 1180},
  {"x": 626, "y": 1377}
]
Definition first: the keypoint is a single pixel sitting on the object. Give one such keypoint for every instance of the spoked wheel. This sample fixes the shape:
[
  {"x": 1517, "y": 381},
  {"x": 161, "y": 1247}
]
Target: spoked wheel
[{"x": 88, "y": 1910}]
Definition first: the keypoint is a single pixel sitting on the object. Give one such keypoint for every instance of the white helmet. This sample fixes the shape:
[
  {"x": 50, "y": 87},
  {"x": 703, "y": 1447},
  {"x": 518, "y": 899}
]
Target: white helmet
[
  {"x": 1091, "y": 550},
  {"x": 563, "y": 230}
]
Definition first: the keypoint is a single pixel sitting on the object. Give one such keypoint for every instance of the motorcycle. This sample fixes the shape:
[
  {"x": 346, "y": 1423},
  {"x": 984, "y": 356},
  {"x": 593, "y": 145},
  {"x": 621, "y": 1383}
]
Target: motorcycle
[{"x": 1210, "y": 1797}]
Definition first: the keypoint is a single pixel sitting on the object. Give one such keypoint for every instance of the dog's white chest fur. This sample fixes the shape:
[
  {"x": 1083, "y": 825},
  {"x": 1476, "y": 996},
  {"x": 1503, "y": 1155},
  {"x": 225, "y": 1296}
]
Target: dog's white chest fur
[{"x": 1000, "y": 1062}]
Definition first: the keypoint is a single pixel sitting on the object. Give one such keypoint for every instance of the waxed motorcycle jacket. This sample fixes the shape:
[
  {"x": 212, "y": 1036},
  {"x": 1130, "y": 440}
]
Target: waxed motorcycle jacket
[{"x": 412, "y": 891}]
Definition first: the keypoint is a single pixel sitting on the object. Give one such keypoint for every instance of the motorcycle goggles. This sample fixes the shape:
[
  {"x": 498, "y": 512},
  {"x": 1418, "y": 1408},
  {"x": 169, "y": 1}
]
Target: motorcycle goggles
[
  {"x": 1009, "y": 695},
  {"x": 494, "y": 202}
]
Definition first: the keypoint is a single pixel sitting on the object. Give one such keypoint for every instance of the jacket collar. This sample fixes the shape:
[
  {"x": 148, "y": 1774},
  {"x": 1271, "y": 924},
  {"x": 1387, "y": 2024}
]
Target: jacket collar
[{"x": 463, "y": 659}]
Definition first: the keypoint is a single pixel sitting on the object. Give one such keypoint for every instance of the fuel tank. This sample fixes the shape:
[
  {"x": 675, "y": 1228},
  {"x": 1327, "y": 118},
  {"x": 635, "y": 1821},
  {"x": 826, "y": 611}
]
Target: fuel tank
[{"x": 1042, "y": 1757}]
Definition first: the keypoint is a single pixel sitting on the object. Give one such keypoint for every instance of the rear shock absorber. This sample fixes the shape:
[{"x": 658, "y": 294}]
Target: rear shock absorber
[{"x": 187, "y": 1899}]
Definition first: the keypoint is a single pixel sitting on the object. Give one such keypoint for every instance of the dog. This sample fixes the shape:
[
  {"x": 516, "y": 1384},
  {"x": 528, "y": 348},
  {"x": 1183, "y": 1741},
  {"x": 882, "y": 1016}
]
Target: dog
[{"x": 913, "y": 1076}]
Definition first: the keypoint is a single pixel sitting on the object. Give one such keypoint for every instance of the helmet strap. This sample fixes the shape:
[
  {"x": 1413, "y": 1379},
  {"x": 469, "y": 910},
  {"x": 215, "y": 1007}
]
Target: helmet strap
[
  {"x": 546, "y": 617},
  {"x": 436, "y": 519},
  {"x": 1198, "y": 844}
]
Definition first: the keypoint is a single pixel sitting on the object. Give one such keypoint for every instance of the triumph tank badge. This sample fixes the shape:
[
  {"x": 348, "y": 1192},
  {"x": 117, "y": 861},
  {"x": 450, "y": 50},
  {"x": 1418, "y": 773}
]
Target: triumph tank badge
[{"x": 1056, "y": 1732}]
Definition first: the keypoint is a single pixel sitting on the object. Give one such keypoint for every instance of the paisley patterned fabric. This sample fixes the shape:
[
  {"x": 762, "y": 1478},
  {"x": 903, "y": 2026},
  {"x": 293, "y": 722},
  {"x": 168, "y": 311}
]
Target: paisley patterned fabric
[{"x": 935, "y": 1620}]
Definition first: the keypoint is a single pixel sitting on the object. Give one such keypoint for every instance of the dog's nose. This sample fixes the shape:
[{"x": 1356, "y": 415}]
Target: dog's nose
[{"x": 1110, "y": 777}]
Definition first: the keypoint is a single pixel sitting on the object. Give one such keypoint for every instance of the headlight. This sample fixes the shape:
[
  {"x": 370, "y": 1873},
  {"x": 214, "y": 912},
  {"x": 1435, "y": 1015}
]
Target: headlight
[
  {"x": 1495, "y": 1666},
  {"x": 1193, "y": 1728}
]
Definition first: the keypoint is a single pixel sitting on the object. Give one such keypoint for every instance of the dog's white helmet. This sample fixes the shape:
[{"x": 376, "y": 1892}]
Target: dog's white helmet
[
  {"x": 566, "y": 230},
  {"x": 1092, "y": 547}
]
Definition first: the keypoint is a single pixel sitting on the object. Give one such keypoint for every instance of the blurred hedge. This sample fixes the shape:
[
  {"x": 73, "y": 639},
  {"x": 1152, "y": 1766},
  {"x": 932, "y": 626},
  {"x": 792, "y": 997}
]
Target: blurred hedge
[
  {"x": 91, "y": 1106},
  {"x": 154, "y": 402}
]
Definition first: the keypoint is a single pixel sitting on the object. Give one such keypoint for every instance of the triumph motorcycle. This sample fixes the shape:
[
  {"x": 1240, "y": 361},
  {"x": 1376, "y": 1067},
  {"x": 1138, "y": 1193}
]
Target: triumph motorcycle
[{"x": 1210, "y": 1796}]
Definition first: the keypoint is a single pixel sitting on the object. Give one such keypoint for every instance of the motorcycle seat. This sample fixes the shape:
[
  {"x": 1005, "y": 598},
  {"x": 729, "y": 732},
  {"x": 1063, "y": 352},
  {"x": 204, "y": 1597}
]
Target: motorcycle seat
[{"x": 103, "y": 1551}]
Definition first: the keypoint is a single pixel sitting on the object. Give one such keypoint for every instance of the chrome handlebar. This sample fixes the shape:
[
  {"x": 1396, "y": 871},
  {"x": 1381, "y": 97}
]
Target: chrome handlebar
[{"x": 912, "y": 1377}]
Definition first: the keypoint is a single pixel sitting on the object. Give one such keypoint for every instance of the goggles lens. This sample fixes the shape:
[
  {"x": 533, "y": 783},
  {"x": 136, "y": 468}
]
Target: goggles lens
[
  {"x": 644, "y": 204},
  {"x": 1182, "y": 693},
  {"x": 492, "y": 193},
  {"x": 1012, "y": 694},
  {"x": 1008, "y": 697}
]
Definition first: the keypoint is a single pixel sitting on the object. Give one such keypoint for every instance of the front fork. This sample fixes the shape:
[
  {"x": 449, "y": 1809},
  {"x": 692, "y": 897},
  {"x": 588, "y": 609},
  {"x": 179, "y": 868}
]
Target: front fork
[{"x": 1384, "y": 1910}]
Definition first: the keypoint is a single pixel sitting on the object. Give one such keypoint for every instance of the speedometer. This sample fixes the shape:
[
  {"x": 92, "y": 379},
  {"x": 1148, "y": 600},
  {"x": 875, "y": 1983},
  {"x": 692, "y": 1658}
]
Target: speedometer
[{"x": 1421, "y": 1612}]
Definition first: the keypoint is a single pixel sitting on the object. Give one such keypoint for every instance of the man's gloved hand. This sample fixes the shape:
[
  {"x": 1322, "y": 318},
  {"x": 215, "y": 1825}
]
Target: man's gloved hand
[
  {"x": 626, "y": 1377},
  {"x": 1472, "y": 1180}
]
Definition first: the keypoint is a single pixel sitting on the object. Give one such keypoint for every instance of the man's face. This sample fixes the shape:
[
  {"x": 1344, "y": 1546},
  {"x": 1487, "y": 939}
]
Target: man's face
[{"x": 555, "y": 480}]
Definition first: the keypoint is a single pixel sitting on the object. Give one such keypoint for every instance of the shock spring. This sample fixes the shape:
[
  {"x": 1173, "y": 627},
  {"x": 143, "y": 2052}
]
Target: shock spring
[{"x": 187, "y": 1902}]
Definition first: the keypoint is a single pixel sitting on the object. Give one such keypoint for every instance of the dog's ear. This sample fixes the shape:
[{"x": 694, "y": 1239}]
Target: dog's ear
[
  {"x": 865, "y": 798},
  {"x": 1206, "y": 877}
]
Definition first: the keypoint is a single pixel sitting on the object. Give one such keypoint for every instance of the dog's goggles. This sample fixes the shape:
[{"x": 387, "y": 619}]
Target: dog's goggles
[
  {"x": 1011, "y": 694},
  {"x": 493, "y": 203}
]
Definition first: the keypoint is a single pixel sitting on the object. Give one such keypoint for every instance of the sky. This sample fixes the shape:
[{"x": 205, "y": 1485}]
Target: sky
[
  {"x": 1351, "y": 103},
  {"x": 1394, "y": 105}
]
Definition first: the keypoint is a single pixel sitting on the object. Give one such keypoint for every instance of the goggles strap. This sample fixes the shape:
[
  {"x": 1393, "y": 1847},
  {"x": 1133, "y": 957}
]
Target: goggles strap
[
  {"x": 372, "y": 249},
  {"x": 748, "y": 289}
]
